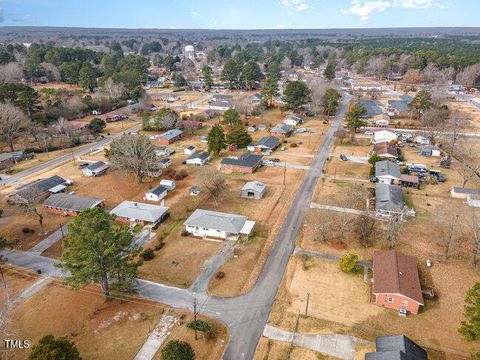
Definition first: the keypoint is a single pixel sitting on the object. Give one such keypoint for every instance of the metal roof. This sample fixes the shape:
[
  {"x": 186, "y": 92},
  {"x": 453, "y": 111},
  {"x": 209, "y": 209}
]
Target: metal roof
[
  {"x": 387, "y": 167},
  {"x": 39, "y": 187},
  {"x": 268, "y": 141},
  {"x": 255, "y": 186},
  {"x": 201, "y": 156},
  {"x": 389, "y": 198},
  {"x": 397, "y": 347},
  {"x": 97, "y": 165},
  {"x": 171, "y": 134},
  {"x": 398, "y": 105},
  {"x": 139, "y": 211},
  {"x": 229, "y": 223},
  {"x": 72, "y": 202},
  {"x": 282, "y": 129},
  {"x": 371, "y": 106}
]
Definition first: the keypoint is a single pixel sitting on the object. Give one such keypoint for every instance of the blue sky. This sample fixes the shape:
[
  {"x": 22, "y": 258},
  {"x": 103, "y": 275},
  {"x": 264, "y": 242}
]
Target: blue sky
[{"x": 240, "y": 14}]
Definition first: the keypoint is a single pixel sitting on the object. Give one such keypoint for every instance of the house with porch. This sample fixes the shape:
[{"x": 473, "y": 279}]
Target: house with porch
[
  {"x": 269, "y": 143},
  {"x": 130, "y": 212},
  {"x": 169, "y": 137},
  {"x": 96, "y": 169},
  {"x": 218, "y": 225},
  {"x": 246, "y": 163},
  {"x": 387, "y": 172},
  {"x": 69, "y": 204}
]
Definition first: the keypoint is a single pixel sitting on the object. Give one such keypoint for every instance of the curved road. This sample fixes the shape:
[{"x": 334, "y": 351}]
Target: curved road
[{"x": 245, "y": 315}]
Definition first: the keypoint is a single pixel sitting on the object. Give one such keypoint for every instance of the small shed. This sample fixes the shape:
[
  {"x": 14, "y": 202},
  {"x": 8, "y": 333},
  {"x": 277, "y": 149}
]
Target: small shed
[
  {"x": 473, "y": 200},
  {"x": 156, "y": 194},
  {"x": 254, "y": 189},
  {"x": 190, "y": 150},
  {"x": 96, "y": 169},
  {"x": 232, "y": 147},
  {"x": 168, "y": 184},
  {"x": 429, "y": 150}
]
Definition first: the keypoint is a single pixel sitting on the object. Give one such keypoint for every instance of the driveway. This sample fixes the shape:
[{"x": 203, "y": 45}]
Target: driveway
[{"x": 245, "y": 315}]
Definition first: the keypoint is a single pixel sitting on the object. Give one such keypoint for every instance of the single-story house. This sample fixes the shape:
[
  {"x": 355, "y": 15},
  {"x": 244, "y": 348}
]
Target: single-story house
[
  {"x": 163, "y": 151},
  {"x": 168, "y": 184},
  {"x": 130, "y": 212},
  {"x": 156, "y": 194},
  {"x": 189, "y": 150},
  {"x": 169, "y": 137},
  {"x": 293, "y": 120},
  {"x": 473, "y": 200},
  {"x": 397, "y": 347},
  {"x": 456, "y": 89},
  {"x": 195, "y": 190},
  {"x": 462, "y": 193},
  {"x": 388, "y": 200},
  {"x": 252, "y": 128},
  {"x": 218, "y": 225},
  {"x": 381, "y": 120},
  {"x": 256, "y": 98},
  {"x": 254, "y": 189},
  {"x": 164, "y": 163},
  {"x": 40, "y": 188},
  {"x": 222, "y": 97},
  {"x": 269, "y": 143},
  {"x": 398, "y": 108},
  {"x": 96, "y": 169},
  {"x": 421, "y": 140},
  {"x": 387, "y": 172},
  {"x": 8, "y": 159},
  {"x": 154, "y": 85},
  {"x": 68, "y": 204},
  {"x": 198, "y": 159},
  {"x": 246, "y": 163},
  {"x": 386, "y": 150},
  {"x": 396, "y": 283},
  {"x": 411, "y": 181},
  {"x": 430, "y": 150},
  {"x": 220, "y": 105},
  {"x": 371, "y": 106},
  {"x": 282, "y": 130},
  {"x": 384, "y": 136}
]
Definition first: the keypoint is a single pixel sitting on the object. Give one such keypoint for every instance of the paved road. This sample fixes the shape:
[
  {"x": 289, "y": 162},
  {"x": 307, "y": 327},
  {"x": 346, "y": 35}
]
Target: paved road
[
  {"x": 57, "y": 161},
  {"x": 246, "y": 315}
]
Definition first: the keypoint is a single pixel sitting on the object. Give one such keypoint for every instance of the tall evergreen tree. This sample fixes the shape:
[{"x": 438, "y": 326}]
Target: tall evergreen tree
[
  {"x": 231, "y": 73},
  {"x": 354, "y": 118},
  {"x": 251, "y": 73},
  {"x": 97, "y": 250},
  {"x": 207, "y": 74},
  {"x": 231, "y": 118},
  {"x": 329, "y": 72},
  {"x": 86, "y": 76},
  {"x": 216, "y": 140},
  {"x": 270, "y": 90},
  {"x": 470, "y": 328},
  {"x": 296, "y": 94},
  {"x": 54, "y": 349},
  {"x": 239, "y": 135}
]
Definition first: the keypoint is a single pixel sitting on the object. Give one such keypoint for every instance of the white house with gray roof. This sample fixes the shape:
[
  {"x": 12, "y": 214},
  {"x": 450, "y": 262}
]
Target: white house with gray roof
[
  {"x": 96, "y": 169},
  {"x": 131, "y": 212},
  {"x": 218, "y": 225},
  {"x": 387, "y": 172},
  {"x": 156, "y": 194}
]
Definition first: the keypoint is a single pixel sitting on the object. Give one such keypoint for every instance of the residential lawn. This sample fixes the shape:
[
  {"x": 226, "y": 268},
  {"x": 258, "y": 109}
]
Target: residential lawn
[
  {"x": 100, "y": 330},
  {"x": 271, "y": 350},
  {"x": 348, "y": 169}
]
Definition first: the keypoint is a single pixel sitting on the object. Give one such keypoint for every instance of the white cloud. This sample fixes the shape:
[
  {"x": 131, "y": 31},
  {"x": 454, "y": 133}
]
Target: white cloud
[
  {"x": 298, "y": 5},
  {"x": 195, "y": 14},
  {"x": 280, "y": 26},
  {"x": 365, "y": 8}
]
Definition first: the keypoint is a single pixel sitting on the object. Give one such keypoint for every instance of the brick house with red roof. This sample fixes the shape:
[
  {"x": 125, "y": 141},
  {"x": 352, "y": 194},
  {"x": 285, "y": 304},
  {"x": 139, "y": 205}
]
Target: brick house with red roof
[{"x": 396, "y": 283}]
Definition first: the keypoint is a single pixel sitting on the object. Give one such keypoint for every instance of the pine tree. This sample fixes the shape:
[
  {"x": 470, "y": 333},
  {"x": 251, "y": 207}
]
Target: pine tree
[
  {"x": 207, "y": 74},
  {"x": 296, "y": 93},
  {"x": 353, "y": 119},
  {"x": 97, "y": 250},
  {"x": 251, "y": 73},
  {"x": 270, "y": 90},
  {"x": 329, "y": 72},
  {"x": 231, "y": 118},
  {"x": 470, "y": 329},
  {"x": 216, "y": 140},
  {"x": 86, "y": 76},
  {"x": 239, "y": 135},
  {"x": 54, "y": 349}
]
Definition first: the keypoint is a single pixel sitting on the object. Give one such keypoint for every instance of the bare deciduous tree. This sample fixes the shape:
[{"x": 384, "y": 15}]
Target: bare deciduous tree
[
  {"x": 11, "y": 73},
  {"x": 473, "y": 222},
  {"x": 29, "y": 201},
  {"x": 133, "y": 153},
  {"x": 113, "y": 90},
  {"x": 468, "y": 160},
  {"x": 366, "y": 228},
  {"x": 469, "y": 76},
  {"x": 433, "y": 123},
  {"x": 52, "y": 71},
  {"x": 456, "y": 124},
  {"x": 12, "y": 122},
  {"x": 214, "y": 183},
  {"x": 392, "y": 229},
  {"x": 323, "y": 226},
  {"x": 450, "y": 219}
]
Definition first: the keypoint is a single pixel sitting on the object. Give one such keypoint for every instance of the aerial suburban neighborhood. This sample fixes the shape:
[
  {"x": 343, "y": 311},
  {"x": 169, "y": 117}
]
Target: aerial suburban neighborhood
[{"x": 173, "y": 191}]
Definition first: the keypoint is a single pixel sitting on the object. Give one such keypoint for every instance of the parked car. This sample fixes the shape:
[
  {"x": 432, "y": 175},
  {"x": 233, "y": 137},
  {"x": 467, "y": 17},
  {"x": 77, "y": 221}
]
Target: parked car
[
  {"x": 82, "y": 166},
  {"x": 274, "y": 160},
  {"x": 343, "y": 157},
  {"x": 373, "y": 180}
]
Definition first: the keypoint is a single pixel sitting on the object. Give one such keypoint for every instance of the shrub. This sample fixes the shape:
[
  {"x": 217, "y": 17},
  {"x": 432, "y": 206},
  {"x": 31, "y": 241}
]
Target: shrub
[
  {"x": 27, "y": 230},
  {"x": 177, "y": 350},
  {"x": 200, "y": 325},
  {"x": 147, "y": 254},
  {"x": 182, "y": 173},
  {"x": 159, "y": 246},
  {"x": 212, "y": 333},
  {"x": 349, "y": 263},
  {"x": 2, "y": 212},
  {"x": 220, "y": 275},
  {"x": 294, "y": 145},
  {"x": 53, "y": 348},
  {"x": 185, "y": 233}
]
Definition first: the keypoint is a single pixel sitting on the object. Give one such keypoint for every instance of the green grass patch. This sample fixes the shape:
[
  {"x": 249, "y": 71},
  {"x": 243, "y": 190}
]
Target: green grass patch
[{"x": 137, "y": 228}]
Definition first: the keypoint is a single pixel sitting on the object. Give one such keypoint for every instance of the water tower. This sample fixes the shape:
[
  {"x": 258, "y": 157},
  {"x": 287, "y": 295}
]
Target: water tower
[{"x": 189, "y": 52}]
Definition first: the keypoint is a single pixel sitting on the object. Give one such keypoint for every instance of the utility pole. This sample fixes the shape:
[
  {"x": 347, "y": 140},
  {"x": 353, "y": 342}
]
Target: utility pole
[
  {"x": 195, "y": 317},
  {"x": 290, "y": 349},
  {"x": 61, "y": 230},
  {"x": 284, "y": 171},
  {"x": 335, "y": 174},
  {"x": 308, "y": 300}
]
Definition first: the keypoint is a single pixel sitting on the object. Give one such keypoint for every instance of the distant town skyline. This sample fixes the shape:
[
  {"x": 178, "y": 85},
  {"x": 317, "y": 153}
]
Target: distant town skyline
[{"x": 240, "y": 14}]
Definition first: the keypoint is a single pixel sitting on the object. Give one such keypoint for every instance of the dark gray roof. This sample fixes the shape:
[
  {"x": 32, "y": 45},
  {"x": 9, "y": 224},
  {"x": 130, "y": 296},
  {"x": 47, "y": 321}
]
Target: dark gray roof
[
  {"x": 397, "y": 348},
  {"x": 71, "y": 202},
  {"x": 388, "y": 197},
  {"x": 229, "y": 223},
  {"x": 406, "y": 98},
  {"x": 268, "y": 141},
  {"x": 157, "y": 190},
  {"x": 223, "y": 97},
  {"x": 398, "y": 105},
  {"x": 164, "y": 160},
  {"x": 190, "y": 147},
  {"x": 16, "y": 155},
  {"x": 371, "y": 106},
  {"x": 171, "y": 134},
  {"x": 97, "y": 165},
  {"x": 387, "y": 167},
  {"x": 201, "y": 156},
  {"x": 255, "y": 186},
  {"x": 39, "y": 187},
  {"x": 221, "y": 103},
  {"x": 246, "y": 160}
]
